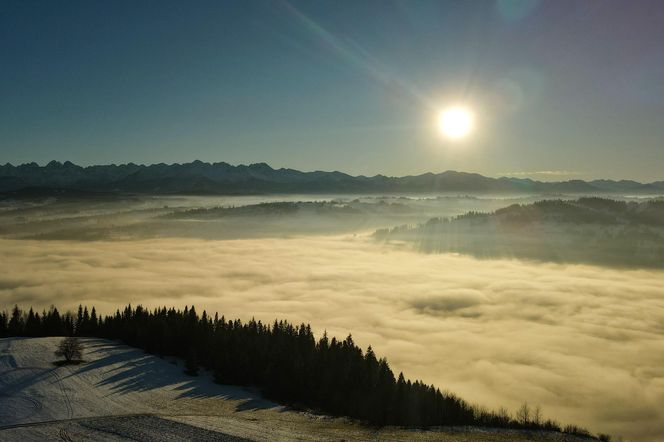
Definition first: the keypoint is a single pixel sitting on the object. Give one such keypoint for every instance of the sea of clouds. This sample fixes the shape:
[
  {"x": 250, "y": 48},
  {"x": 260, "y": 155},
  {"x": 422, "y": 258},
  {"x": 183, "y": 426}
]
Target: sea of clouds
[{"x": 585, "y": 343}]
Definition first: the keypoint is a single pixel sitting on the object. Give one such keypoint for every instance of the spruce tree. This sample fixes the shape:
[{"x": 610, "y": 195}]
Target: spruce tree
[
  {"x": 15, "y": 327},
  {"x": 191, "y": 363},
  {"x": 282, "y": 359},
  {"x": 3, "y": 325},
  {"x": 32, "y": 324}
]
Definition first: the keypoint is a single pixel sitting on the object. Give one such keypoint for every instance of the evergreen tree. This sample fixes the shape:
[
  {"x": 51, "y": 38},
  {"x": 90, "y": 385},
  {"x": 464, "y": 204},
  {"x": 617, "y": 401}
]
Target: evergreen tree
[
  {"x": 3, "y": 325},
  {"x": 15, "y": 327},
  {"x": 191, "y": 364},
  {"x": 94, "y": 322},
  {"x": 283, "y": 360},
  {"x": 79, "y": 321},
  {"x": 86, "y": 321},
  {"x": 32, "y": 324},
  {"x": 52, "y": 323}
]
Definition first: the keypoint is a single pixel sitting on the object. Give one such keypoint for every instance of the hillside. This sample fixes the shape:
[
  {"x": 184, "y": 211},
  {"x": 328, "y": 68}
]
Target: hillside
[
  {"x": 121, "y": 393},
  {"x": 588, "y": 230},
  {"x": 222, "y": 178}
]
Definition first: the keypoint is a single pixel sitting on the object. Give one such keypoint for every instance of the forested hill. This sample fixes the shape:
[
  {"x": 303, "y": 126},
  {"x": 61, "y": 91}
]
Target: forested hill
[
  {"x": 588, "y": 230},
  {"x": 284, "y": 360},
  {"x": 222, "y": 178},
  {"x": 594, "y": 210}
]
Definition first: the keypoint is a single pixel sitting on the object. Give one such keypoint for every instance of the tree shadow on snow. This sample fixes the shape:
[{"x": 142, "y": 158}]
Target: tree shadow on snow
[{"x": 124, "y": 369}]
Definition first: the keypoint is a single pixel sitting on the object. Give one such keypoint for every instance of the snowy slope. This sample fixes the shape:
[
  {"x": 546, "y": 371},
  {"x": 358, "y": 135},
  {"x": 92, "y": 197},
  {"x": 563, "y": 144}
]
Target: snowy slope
[{"x": 120, "y": 393}]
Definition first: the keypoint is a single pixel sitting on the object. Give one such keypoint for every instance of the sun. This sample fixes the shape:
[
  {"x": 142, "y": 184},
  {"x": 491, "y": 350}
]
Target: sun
[{"x": 456, "y": 122}]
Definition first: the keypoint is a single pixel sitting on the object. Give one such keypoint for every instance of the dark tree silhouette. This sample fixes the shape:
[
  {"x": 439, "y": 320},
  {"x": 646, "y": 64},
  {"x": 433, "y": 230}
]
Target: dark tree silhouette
[
  {"x": 191, "y": 364},
  {"x": 15, "y": 327},
  {"x": 71, "y": 349},
  {"x": 283, "y": 360}
]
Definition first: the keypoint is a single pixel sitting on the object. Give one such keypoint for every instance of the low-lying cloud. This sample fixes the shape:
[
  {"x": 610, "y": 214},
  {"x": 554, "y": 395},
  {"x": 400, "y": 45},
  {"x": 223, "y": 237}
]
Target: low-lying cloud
[
  {"x": 586, "y": 343},
  {"x": 451, "y": 301}
]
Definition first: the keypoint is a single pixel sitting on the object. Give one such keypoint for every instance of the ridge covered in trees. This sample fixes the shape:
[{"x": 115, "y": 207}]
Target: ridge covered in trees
[
  {"x": 591, "y": 230},
  {"x": 282, "y": 359}
]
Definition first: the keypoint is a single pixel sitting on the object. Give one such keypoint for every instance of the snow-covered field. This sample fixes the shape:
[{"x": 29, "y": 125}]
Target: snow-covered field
[{"x": 121, "y": 393}]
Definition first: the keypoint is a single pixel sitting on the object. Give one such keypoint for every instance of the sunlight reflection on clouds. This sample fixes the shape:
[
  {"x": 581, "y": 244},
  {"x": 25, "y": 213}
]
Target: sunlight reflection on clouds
[{"x": 586, "y": 343}]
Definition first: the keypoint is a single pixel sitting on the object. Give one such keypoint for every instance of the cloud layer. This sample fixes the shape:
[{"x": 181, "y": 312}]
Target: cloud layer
[{"x": 585, "y": 343}]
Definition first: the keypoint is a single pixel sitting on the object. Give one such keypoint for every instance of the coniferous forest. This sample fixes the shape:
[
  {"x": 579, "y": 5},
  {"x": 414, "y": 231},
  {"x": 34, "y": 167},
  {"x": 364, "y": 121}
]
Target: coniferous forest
[{"x": 283, "y": 360}]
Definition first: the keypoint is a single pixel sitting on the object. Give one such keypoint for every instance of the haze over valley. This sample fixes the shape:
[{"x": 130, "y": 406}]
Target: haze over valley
[
  {"x": 491, "y": 315},
  {"x": 296, "y": 220}
]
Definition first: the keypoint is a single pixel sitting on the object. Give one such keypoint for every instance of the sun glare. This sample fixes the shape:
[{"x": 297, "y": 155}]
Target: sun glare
[{"x": 456, "y": 122}]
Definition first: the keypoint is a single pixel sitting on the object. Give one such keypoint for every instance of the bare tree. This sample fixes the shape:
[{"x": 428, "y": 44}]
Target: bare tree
[
  {"x": 70, "y": 348},
  {"x": 504, "y": 415},
  {"x": 537, "y": 415},
  {"x": 523, "y": 414}
]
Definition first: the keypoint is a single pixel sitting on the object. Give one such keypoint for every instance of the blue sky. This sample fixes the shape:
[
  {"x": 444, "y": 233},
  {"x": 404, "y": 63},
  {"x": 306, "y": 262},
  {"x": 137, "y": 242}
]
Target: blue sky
[{"x": 572, "y": 89}]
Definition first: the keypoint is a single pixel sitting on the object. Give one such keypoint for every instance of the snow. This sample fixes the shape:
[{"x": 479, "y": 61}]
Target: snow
[{"x": 121, "y": 393}]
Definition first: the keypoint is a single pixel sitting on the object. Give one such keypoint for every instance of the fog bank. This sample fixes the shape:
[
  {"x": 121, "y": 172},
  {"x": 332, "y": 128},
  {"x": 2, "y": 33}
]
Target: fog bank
[{"x": 586, "y": 343}]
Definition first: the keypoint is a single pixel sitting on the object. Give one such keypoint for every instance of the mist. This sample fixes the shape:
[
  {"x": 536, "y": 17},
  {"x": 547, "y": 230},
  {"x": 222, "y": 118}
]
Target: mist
[
  {"x": 129, "y": 217},
  {"x": 584, "y": 342}
]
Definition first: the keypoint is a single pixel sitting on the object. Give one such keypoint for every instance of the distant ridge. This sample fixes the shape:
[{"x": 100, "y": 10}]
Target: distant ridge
[{"x": 198, "y": 177}]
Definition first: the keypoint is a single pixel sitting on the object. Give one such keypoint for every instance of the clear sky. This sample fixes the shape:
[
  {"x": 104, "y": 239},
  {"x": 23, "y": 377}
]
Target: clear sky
[{"x": 568, "y": 89}]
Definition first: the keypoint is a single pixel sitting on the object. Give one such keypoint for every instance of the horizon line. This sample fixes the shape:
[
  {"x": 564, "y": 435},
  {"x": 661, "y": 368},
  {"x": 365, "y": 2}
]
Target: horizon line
[{"x": 506, "y": 175}]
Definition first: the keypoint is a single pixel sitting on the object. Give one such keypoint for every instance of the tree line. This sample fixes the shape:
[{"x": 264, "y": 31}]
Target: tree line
[{"x": 284, "y": 360}]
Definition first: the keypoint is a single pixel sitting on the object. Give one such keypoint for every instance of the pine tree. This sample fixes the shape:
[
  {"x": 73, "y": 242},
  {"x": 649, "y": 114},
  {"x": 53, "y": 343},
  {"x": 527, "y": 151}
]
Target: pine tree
[
  {"x": 85, "y": 323},
  {"x": 94, "y": 322},
  {"x": 79, "y": 321},
  {"x": 32, "y": 324},
  {"x": 191, "y": 364},
  {"x": 282, "y": 359},
  {"x": 3, "y": 325},
  {"x": 15, "y": 327}
]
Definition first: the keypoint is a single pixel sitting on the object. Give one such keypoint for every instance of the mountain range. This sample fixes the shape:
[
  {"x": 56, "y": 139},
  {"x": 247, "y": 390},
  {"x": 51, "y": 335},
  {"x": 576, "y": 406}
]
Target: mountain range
[{"x": 198, "y": 177}]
